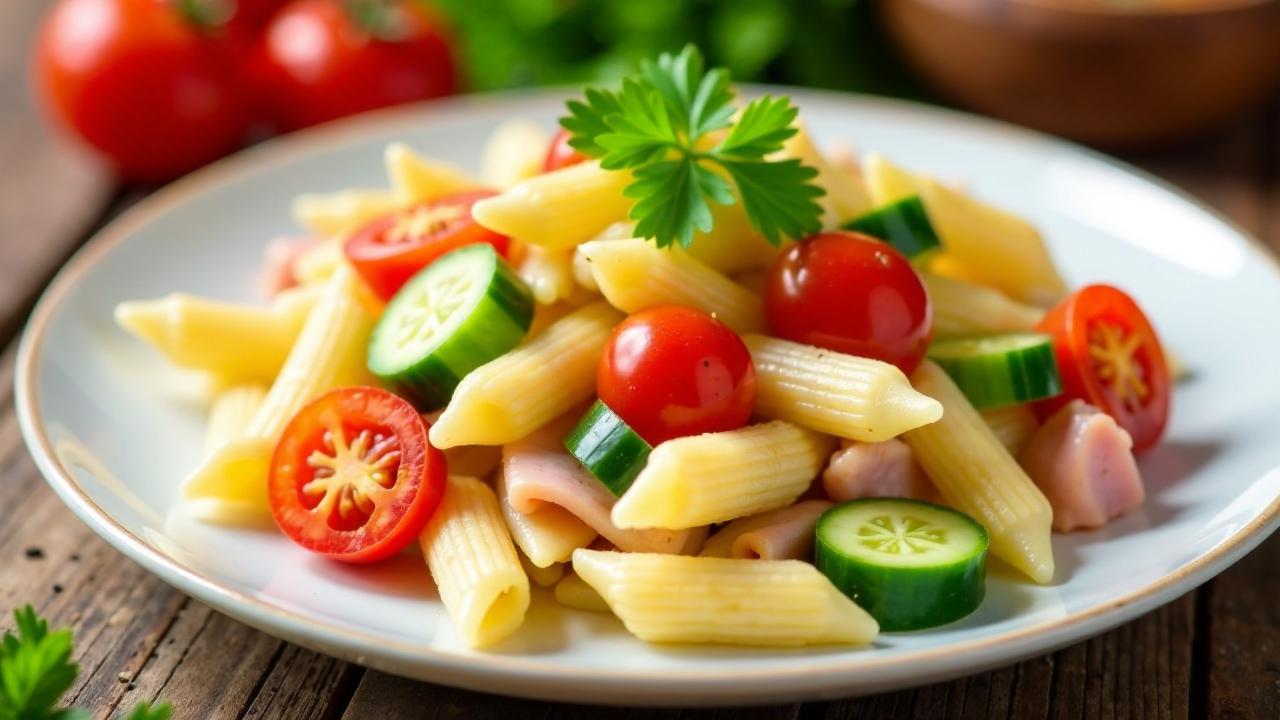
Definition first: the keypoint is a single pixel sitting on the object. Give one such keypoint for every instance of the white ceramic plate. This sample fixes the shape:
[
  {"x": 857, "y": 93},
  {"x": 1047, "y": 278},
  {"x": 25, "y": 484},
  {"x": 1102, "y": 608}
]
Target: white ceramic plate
[{"x": 109, "y": 426}]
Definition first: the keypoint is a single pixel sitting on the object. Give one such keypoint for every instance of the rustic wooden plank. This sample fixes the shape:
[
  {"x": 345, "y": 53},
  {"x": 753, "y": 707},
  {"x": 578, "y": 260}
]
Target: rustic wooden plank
[{"x": 304, "y": 684}]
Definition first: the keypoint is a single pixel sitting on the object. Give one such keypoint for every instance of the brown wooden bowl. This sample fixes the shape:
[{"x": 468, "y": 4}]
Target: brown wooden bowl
[{"x": 1093, "y": 71}]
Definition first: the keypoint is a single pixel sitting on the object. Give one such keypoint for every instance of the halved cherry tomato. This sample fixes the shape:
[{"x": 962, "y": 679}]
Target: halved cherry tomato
[
  {"x": 560, "y": 154},
  {"x": 672, "y": 371},
  {"x": 390, "y": 250},
  {"x": 354, "y": 476},
  {"x": 1109, "y": 356},
  {"x": 853, "y": 294}
]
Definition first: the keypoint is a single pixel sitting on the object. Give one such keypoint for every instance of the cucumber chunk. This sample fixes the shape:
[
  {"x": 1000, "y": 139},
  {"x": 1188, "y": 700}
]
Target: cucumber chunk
[
  {"x": 910, "y": 564},
  {"x": 608, "y": 448},
  {"x": 903, "y": 224},
  {"x": 1000, "y": 370}
]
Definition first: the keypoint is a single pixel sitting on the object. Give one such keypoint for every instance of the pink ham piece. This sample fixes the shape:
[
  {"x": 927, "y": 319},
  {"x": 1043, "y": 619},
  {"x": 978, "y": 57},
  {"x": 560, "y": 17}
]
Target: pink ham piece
[
  {"x": 1083, "y": 463},
  {"x": 538, "y": 470},
  {"x": 278, "y": 259},
  {"x": 782, "y": 534},
  {"x": 879, "y": 469}
]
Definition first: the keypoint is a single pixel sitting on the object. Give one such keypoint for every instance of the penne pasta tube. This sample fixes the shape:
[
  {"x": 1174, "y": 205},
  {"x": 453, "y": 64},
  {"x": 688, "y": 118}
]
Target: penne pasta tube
[
  {"x": 1013, "y": 426},
  {"x": 733, "y": 244},
  {"x": 559, "y": 209},
  {"x": 548, "y": 576},
  {"x": 886, "y": 182},
  {"x": 329, "y": 353},
  {"x": 510, "y": 397},
  {"x": 978, "y": 476},
  {"x": 231, "y": 411},
  {"x": 477, "y": 461},
  {"x": 416, "y": 179},
  {"x": 235, "y": 343},
  {"x": 635, "y": 274},
  {"x": 548, "y": 273},
  {"x": 669, "y": 598},
  {"x": 515, "y": 151},
  {"x": 474, "y": 564},
  {"x": 715, "y": 477},
  {"x": 545, "y": 532},
  {"x": 845, "y": 197},
  {"x": 572, "y": 592},
  {"x": 318, "y": 263},
  {"x": 842, "y": 395},
  {"x": 782, "y": 534},
  {"x": 962, "y": 308},
  {"x": 339, "y": 214}
]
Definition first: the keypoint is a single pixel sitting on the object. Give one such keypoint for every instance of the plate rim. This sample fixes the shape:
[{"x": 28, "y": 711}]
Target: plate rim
[{"x": 527, "y": 676}]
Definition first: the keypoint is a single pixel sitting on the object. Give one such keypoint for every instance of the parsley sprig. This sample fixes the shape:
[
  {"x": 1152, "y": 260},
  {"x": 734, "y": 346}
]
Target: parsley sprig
[
  {"x": 36, "y": 670},
  {"x": 664, "y": 124}
]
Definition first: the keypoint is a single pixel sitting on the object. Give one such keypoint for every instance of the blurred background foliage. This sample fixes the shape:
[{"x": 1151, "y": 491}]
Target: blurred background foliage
[{"x": 820, "y": 43}]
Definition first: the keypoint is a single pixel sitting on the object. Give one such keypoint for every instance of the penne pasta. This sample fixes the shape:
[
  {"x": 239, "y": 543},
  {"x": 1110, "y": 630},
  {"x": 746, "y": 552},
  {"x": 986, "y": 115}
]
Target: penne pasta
[
  {"x": 477, "y": 461},
  {"x": 669, "y": 598},
  {"x": 235, "y": 343},
  {"x": 416, "y": 179},
  {"x": 515, "y": 151},
  {"x": 1013, "y": 426},
  {"x": 842, "y": 395},
  {"x": 886, "y": 182},
  {"x": 545, "y": 532},
  {"x": 559, "y": 209},
  {"x": 318, "y": 263},
  {"x": 510, "y": 397},
  {"x": 548, "y": 576},
  {"x": 733, "y": 244},
  {"x": 962, "y": 308},
  {"x": 572, "y": 592},
  {"x": 712, "y": 478},
  {"x": 474, "y": 563},
  {"x": 548, "y": 273},
  {"x": 845, "y": 197},
  {"x": 215, "y": 502},
  {"x": 335, "y": 215},
  {"x": 329, "y": 352},
  {"x": 782, "y": 534},
  {"x": 978, "y": 476},
  {"x": 635, "y": 274}
]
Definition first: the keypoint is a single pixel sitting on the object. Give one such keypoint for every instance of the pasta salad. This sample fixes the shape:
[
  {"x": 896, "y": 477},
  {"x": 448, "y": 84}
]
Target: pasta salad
[{"x": 679, "y": 364}]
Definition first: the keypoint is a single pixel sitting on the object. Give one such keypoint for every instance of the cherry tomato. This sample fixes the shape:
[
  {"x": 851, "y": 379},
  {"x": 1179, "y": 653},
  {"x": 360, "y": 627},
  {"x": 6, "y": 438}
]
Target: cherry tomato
[
  {"x": 560, "y": 154},
  {"x": 390, "y": 250},
  {"x": 853, "y": 294},
  {"x": 1109, "y": 356},
  {"x": 324, "y": 63},
  {"x": 252, "y": 16},
  {"x": 354, "y": 476},
  {"x": 142, "y": 83},
  {"x": 673, "y": 371}
]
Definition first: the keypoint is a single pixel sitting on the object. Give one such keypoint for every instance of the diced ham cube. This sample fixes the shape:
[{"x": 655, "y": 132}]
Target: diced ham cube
[
  {"x": 1083, "y": 462},
  {"x": 879, "y": 469}
]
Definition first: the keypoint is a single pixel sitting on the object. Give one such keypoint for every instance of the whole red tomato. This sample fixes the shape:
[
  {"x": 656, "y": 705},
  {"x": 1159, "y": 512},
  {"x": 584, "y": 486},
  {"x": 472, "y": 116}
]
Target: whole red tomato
[
  {"x": 560, "y": 154},
  {"x": 853, "y": 294},
  {"x": 142, "y": 83},
  {"x": 324, "y": 62}
]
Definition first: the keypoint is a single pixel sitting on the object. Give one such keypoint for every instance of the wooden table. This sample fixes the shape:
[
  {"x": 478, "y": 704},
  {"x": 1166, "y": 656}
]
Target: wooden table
[{"x": 1213, "y": 652}]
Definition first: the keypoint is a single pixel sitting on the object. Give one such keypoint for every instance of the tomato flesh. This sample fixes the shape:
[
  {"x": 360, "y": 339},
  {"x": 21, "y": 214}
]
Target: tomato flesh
[
  {"x": 354, "y": 476},
  {"x": 1110, "y": 356},
  {"x": 390, "y": 250},
  {"x": 673, "y": 371},
  {"x": 560, "y": 154},
  {"x": 853, "y": 294}
]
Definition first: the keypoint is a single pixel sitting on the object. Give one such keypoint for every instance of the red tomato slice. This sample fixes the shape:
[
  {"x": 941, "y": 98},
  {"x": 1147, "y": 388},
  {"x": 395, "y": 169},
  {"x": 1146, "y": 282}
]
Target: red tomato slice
[
  {"x": 560, "y": 154},
  {"x": 673, "y": 371},
  {"x": 1109, "y": 356},
  {"x": 354, "y": 476},
  {"x": 390, "y": 250}
]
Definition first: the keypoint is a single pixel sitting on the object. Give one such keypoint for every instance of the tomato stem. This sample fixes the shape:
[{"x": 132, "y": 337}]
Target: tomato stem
[
  {"x": 206, "y": 14},
  {"x": 379, "y": 18}
]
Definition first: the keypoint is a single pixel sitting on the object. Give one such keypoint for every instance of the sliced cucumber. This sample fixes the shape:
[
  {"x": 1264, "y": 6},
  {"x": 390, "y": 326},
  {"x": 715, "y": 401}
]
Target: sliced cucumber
[
  {"x": 910, "y": 564},
  {"x": 1000, "y": 370},
  {"x": 608, "y": 448},
  {"x": 903, "y": 224},
  {"x": 455, "y": 315}
]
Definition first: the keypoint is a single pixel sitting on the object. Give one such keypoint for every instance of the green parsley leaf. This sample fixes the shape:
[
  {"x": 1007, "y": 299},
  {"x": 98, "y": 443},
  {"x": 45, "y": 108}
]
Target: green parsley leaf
[
  {"x": 147, "y": 711},
  {"x": 652, "y": 126},
  {"x": 35, "y": 667}
]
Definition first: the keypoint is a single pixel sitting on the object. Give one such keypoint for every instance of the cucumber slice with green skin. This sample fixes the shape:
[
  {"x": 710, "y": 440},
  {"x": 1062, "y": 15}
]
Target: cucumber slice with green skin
[
  {"x": 903, "y": 224},
  {"x": 608, "y": 448},
  {"x": 910, "y": 564},
  {"x": 1000, "y": 370},
  {"x": 456, "y": 314}
]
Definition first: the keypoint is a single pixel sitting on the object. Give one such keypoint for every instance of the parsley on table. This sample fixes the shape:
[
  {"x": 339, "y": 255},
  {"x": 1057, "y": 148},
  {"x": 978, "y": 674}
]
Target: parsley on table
[
  {"x": 661, "y": 124},
  {"x": 36, "y": 670}
]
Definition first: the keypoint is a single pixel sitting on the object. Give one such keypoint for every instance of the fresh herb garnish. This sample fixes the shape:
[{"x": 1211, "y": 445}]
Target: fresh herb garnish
[
  {"x": 36, "y": 670},
  {"x": 659, "y": 124}
]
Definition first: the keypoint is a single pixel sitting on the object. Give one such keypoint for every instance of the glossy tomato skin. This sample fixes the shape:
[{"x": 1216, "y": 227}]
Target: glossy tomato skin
[
  {"x": 853, "y": 294},
  {"x": 386, "y": 260},
  {"x": 1110, "y": 356},
  {"x": 672, "y": 371},
  {"x": 401, "y": 506},
  {"x": 140, "y": 83},
  {"x": 322, "y": 65},
  {"x": 560, "y": 154}
]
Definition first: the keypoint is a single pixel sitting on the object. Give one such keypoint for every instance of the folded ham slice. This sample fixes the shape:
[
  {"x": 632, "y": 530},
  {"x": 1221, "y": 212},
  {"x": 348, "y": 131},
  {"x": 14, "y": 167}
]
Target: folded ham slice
[
  {"x": 1083, "y": 462},
  {"x": 879, "y": 469},
  {"x": 782, "y": 534},
  {"x": 538, "y": 470}
]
